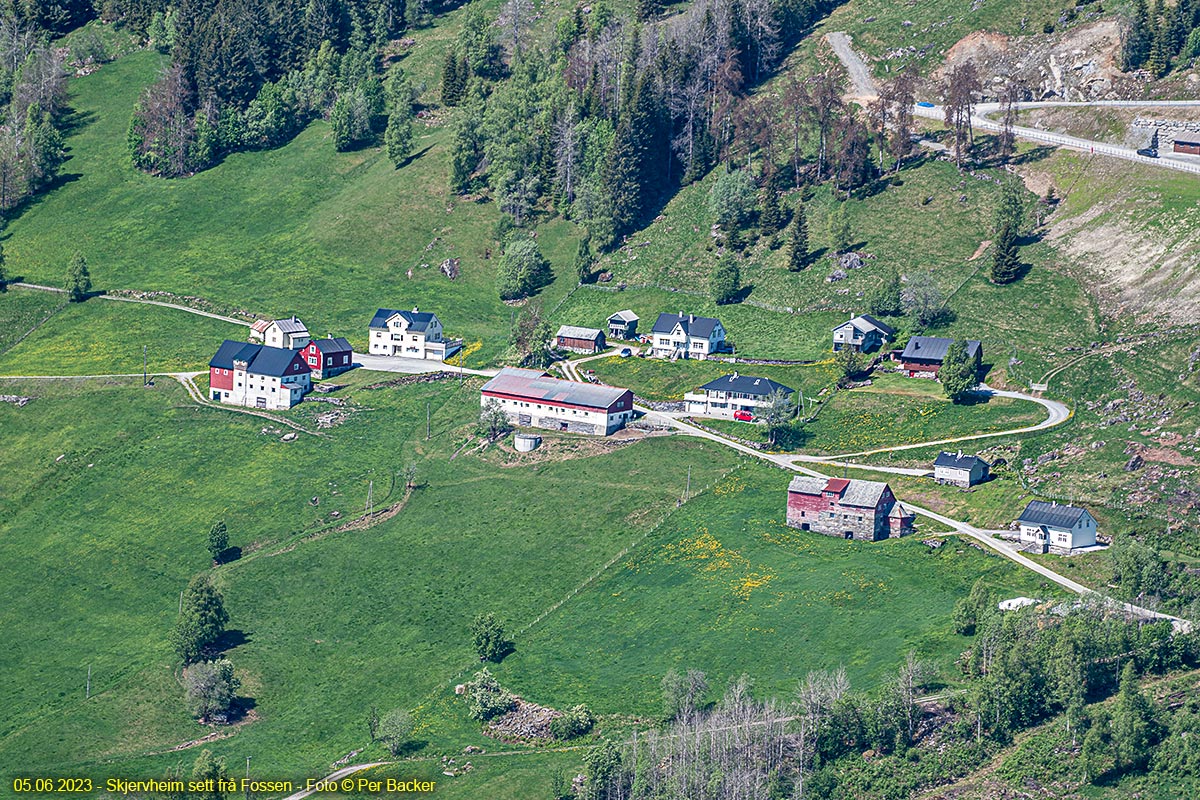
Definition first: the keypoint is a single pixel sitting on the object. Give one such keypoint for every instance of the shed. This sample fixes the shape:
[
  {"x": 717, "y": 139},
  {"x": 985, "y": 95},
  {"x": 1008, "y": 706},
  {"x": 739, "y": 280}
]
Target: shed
[
  {"x": 579, "y": 340},
  {"x": 623, "y": 325},
  {"x": 1184, "y": 146}
]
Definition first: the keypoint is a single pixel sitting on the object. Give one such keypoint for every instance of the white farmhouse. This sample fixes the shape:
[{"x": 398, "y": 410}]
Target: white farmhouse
[
  {"x": 287, "y": 334},
  {"x": 958, "y": 469},
  {"x": 729, "y": 394},
  {"x": 863, "y": 333},
  {"x": 686, "y": 336},
  {"x": 1056, "y": 527},
  {"x": 412, "y": 334},
  {"x": 254, "y": 375}
]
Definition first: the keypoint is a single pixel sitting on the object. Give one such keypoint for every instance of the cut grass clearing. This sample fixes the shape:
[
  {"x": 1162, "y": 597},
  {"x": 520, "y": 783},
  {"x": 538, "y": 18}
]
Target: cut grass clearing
[{"x": 103, "y": 337}]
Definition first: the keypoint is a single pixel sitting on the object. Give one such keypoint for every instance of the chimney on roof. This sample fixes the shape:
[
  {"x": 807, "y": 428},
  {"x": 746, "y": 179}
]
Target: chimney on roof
[
  {"x": 734, "y": 378},
  {"x": 960, "y": 453},
  {"x": 691, "y": 317},
  {"x": 414, "y": 309}
]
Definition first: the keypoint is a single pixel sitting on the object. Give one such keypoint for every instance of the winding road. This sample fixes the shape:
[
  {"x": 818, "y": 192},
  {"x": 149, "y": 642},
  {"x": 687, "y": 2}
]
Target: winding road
[{"x": 865, "y": 89}]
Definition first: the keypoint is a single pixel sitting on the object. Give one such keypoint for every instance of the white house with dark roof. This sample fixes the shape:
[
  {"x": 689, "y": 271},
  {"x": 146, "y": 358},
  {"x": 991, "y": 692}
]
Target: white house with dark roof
[
  {"x": 258, "y": 376},
  {"x": 725, "y": 396},
  {"x": 411, "y": 334},
  {"x": 1057, "y": 527},
  {"x": 959, "y": 469},
  {"x": 863, "y": 333},
  {"x": 686, "y": 336},
  {"x": 531, "y": 397}
]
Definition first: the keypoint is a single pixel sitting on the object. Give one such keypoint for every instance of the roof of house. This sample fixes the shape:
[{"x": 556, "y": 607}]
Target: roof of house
[
  {"x": 259, "y": 359},
  {"x": 624, "y": 316},
  {"x": 959, "y": 460},
  {"x": 260, "y": 325},
  {"x": 290, "y": 325},
  {"x": 1053, "y": 514},
  {"x": 417, "y": 320},
  {"x": 692, "y": 325},
  {"x": 864, "y": 322},
  {"x": 331, "y": 346},
  {"x": 746, "y": 384},
  {"x": 933, "y": 348},
  {"x": 535, "y": 385},
  {"x": 576, "y": 332},
  {"x": 900, "y": 512},
  {"x": 863, "y": 494}
]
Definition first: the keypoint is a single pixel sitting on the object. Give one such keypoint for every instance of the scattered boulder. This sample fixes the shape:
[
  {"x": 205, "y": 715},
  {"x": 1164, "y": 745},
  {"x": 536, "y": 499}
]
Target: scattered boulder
[
  {"x": 1134, "y": 463},
  {"x": 16, "y": 400},
  {"x": 449, "y": 268},
  {"x": 288, "y": 437}
]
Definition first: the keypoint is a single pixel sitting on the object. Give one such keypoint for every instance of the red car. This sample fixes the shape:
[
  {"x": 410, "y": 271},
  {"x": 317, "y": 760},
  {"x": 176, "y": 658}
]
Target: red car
[{"x": 743, "y": 416}]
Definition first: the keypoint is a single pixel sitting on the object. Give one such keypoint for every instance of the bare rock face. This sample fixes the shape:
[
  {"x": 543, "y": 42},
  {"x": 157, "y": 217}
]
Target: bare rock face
[
  {"x": 1134, "y": 463},
  {"x": 1080, "y": 64}
]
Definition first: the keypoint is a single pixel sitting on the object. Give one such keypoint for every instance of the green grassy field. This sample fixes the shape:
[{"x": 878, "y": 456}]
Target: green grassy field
[
  {"x": 761, "y": 598},
  {"x": 102, "y": 337},
  {"x": 301, "y": 229},
  {"x": 22, "y": 310}
]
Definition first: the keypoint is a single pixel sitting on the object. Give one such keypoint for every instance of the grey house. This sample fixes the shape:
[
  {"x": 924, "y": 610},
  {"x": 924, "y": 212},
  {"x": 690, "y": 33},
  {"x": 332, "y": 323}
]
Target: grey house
[
  {"x": 959, "y": 469},
  {"x": 863, "y": 333}
]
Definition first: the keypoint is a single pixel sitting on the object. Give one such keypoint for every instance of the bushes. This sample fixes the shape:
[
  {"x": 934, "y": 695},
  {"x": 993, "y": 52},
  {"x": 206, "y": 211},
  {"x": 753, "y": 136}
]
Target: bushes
[
  {"x": 573, "y": 723},
  {"x": 523, "y": 270},
  {"x": 486, "y": 698}
]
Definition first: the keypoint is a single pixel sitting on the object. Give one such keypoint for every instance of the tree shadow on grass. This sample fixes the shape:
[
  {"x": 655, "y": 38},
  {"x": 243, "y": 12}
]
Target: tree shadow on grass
[
  {"x": 230, "y": 640},
  {"x": 793, "y": 437},
  {"x": 411, "y": 157}
]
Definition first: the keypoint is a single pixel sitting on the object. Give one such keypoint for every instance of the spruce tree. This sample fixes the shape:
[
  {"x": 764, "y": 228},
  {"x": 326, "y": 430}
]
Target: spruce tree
[
  {"x": 1138, "y": 38},
  {"x": 841, "y": 235},
  {"x": 771, "y": 219},
  {"x": 631, "y": 162},
  {"x": 584, "y": 260},
  {"x": 725, "y": 281},
  {"x": 1005, "y": 264},
  {"x": 218, "y": 539},
  {"x": 798, "y": 254},
  {"x": 647, "y": 9},
  {"x": 398, "y": 136},
  {"x": 450, "y": 80},
  {"x": 79, "y": 280}
]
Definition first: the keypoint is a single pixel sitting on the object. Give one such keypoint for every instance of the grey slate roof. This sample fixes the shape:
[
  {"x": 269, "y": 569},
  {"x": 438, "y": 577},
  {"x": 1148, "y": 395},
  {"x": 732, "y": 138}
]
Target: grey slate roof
[
  {"x": 331, "y": 346},
  {"x": 957, "y": 460},
  {"x": 535, "y": 385},
  {"x": 861, "y": 494},
  {"x": 231, "y": 351},
  {"x": 291, "y": 325},
  {"x": 865, "y": 322},
  {"x": 1052, "y": 515},
  {"x": 260, "y": 359},
  {"x": 417, "y": 320},
  {"x": 624, "y": 316},
  {"x": 745, "y": 384},
  {"x": 576, "y": 332},
  {"x": 700, "y": 327},
  {"x": 933, "y": 348}
]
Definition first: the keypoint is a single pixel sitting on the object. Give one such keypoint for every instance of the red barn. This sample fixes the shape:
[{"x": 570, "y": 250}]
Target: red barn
[
  {"x": 842, "y": 507},
  {"x": 328, "y": 357}
]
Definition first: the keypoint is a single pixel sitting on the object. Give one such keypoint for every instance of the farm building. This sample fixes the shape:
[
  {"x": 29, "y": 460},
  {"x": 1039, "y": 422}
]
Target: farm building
[
  {"x": 623, "y": 325},
  {"x": 958, "y": 469},
  {"x": 328, "y": 357},
  {"x": 579, "y": 340},
  {"x": 411, "y": 334},
  {"x": 1056, "y": 527},
  {"x": 1186, "y": 147},
  {"x": 732, "y": 393},
  {"x": 258, "y": 330},
  {"x": 924, "y": 354},
  {"x": 686, "y": 336},
  {"x": 532, "y": 397},
  {"x": 846, "y": 507},
  {"x": 258, "y": 376},
  {"x": 863, "y": 333}
]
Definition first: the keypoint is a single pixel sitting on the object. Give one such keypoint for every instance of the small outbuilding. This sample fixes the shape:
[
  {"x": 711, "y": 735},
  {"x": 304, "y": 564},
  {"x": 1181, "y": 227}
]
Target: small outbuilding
[
  {"x": 579, "y": 340},
  {"x": 623, "y": 325},
  {"x": 959, "y": 469},
  {"x": 1186, "y": 147}
]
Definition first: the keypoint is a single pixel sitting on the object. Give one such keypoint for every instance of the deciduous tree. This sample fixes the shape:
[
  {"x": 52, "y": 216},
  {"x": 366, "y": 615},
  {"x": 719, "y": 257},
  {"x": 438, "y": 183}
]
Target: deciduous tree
[
  {"x": 959, "y": 373},
  {"x": 211, "y": 690},
  {"x": 395, "y": 729},
  {"x": 79, "y": 280},
  {"x": 218, "y": 539},
  {"x": 488, "y": 635},
  {"x": 884, "y": 297},
  {"x": 725, "y": 281}
]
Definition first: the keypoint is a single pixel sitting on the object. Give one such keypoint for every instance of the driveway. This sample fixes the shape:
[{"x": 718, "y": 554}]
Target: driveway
[{"x": 411, "y": 366}]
